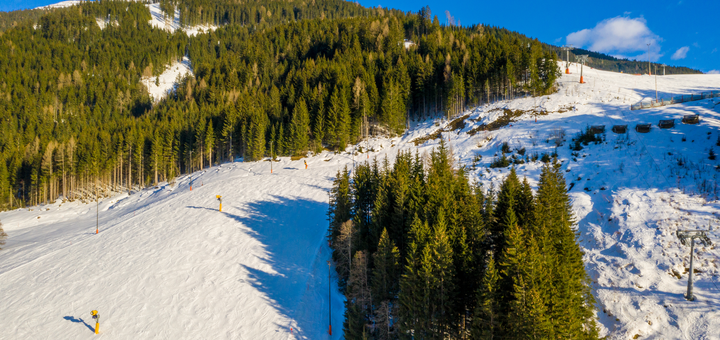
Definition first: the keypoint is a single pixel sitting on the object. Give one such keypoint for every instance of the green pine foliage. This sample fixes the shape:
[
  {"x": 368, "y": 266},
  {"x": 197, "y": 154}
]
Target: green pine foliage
[
  {"x": 300, "y": 76},
  {"x": 448, "y": 260}
]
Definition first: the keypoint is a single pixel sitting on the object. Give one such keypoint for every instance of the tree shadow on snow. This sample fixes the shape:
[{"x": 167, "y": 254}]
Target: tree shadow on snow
[
  {"x": 292, "y": 232},
  {"x": 73, "y": 319}
]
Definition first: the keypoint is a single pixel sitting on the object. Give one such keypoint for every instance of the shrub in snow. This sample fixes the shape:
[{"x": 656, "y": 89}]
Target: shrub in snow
[
  {"x": 501, "y": 162},
  {"x": 3, "y": 236}
]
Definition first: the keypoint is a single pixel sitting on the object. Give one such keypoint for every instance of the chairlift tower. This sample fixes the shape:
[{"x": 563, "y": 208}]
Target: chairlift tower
[
  {"x": 686, "y": 236},
  {"x": 663, "y": 65},
  {"x": 582, "y": 59},
  {"x": 567, "y": 49}
]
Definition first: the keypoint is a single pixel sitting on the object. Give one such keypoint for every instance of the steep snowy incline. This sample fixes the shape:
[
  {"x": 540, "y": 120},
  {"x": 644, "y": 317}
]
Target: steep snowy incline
[{"x": 168, "y": 264}]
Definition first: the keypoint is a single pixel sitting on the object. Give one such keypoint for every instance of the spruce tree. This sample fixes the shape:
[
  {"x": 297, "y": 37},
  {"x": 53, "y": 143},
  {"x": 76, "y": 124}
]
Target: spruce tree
[
  {"x": 571, "y": 302},
  {"x": 438, "y": 273},
  {"x": 507, "y": 201},
  {"x": 340, "y": 210},
  {"x": 300, "y": 128},
  {"x": 412, "y": 296},
  {"x": 354, "y": 325},
  {"x": 386, "y": 271},
  {"x": 209, "y": 143},
  {"x": 487, "y": 315}
]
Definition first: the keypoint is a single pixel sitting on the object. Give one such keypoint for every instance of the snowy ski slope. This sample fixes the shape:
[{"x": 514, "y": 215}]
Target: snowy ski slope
[{"x": 167, "y": 264}]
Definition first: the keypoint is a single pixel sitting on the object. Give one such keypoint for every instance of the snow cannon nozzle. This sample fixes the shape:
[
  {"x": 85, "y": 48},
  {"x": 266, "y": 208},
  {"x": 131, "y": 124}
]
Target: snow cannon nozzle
[{"x": 96, "y": 316}]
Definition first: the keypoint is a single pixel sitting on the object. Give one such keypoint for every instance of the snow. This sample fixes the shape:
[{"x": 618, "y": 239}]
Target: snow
[
  {"x": 159, "y": 88},
  {"x": 61, "y": 4},
  {"x": 160, "y": 20},
  {"x": 638, "y": 194},
  {"x": 102, "y": 23},
  {"x": 167, "y": 264}
]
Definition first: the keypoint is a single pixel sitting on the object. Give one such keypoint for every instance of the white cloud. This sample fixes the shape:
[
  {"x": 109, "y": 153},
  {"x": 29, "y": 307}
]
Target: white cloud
[
  {"x": 681, "y": 53},
  {"x": 714, "y": 72},
  {"x": 619, "y": 36}
]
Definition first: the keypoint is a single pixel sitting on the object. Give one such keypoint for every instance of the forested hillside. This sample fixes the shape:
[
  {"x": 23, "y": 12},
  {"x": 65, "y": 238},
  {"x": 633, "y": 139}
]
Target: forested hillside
[
  {"x": 77, "y": 116},
  {"x": 14, "y": 18}
]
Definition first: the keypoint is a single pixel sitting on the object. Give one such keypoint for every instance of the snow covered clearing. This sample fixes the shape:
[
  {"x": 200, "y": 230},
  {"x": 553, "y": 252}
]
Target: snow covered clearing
[
  {"x": 172, "y": 24},
  {"x": 167, "y": 264},
  {"x": 159, "y": 86},
  {"x": 102, "y": 23}
]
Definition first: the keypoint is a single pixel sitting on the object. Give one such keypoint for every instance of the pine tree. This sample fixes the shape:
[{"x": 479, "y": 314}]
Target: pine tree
[
  {"x": 438, "y": 273},
  {"x": 340, "y": 209},
  {"x": 527, "y": 313},
  {"x": 358, "y": 286},
  {"x": 412, "y": 295},
  {"x": 354, "y": 326},
  {"x": 209, "y": 142},
  {"x": 387, "y": 271},
  {"x": 571, "y": 302},
  {"x": 487, "y": 315},
  {"x": 364, "y": 195},
  {"x": 507, "y": 200},
  {"x": 525, "y": 204},
  {"x": 300, "y": 128}
]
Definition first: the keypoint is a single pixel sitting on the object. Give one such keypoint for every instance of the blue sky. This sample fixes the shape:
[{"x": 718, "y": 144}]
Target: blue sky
[{"x": 681, "y": 32}]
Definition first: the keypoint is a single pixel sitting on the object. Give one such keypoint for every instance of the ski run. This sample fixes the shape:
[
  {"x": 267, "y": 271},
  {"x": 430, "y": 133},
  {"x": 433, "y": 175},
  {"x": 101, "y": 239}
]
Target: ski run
[{"x": 167, "y": 264}]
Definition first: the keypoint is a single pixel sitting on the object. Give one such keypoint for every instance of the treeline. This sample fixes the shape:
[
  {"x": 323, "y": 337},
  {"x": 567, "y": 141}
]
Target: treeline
[
  {"x": 261, "y": 14},
  {"x": 606, "y": 62},
  {"x": 15, "y": 18},
  {"x": 421, "y": 253},
  {"x": 75, "y": 114}
]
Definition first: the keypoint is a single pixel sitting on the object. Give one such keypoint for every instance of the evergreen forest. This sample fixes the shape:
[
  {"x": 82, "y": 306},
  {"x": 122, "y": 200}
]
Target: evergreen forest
[
  {"x": 275, "y": 79},
  {"x": 423, "y": 253}
]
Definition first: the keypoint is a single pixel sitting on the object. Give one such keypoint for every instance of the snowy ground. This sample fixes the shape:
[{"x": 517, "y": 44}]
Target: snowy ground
[
  {"x": 631, "y": 193},
  {"x": 167, "y": 264},
  {"x": 158, "y": 87},
  {"x": 172, "y": 24},
  {"x": 61, "y": 4}
]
